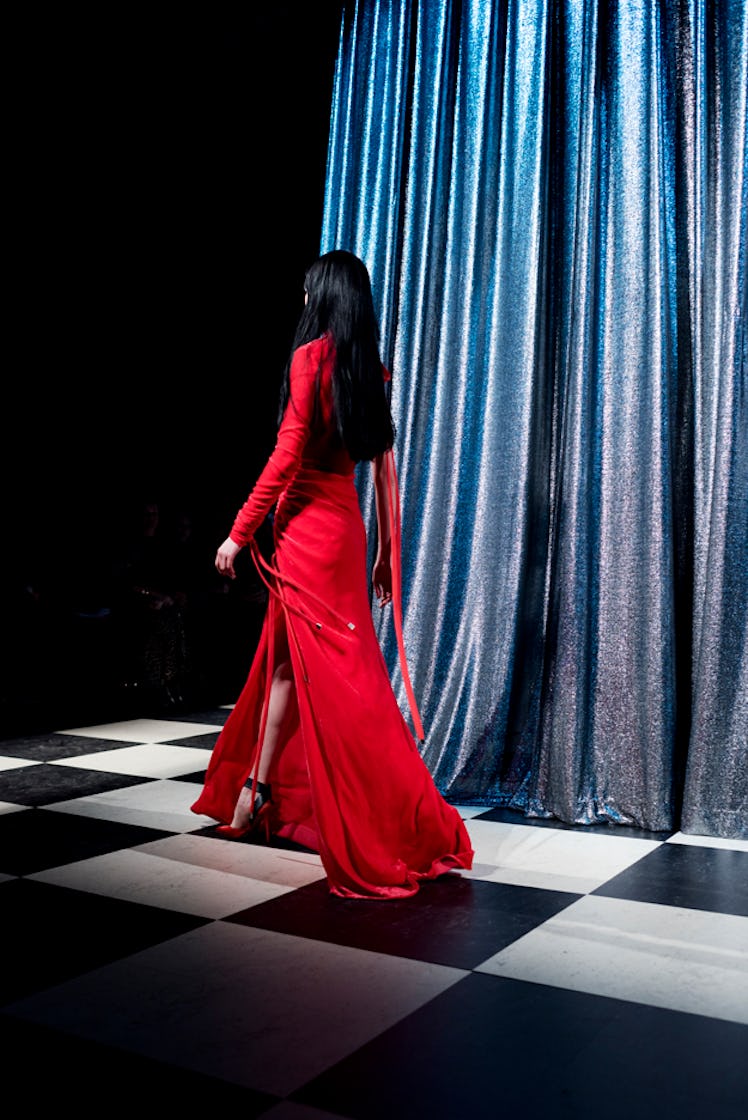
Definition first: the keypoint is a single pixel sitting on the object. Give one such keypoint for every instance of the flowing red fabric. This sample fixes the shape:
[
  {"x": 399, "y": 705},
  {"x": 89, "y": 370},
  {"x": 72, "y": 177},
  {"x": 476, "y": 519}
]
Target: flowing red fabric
[{"x": 348, "y": 781}]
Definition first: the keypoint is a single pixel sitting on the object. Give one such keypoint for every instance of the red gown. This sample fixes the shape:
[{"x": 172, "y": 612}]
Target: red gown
[{"x": 348, "y": 781}]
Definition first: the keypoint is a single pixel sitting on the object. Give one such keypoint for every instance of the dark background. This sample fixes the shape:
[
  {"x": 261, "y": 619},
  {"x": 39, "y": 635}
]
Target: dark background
[{"x": 167, "y": 180}]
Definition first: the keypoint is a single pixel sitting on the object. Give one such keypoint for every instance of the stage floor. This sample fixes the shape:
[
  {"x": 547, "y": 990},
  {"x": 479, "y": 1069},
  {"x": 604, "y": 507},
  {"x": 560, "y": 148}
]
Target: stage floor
[{"x": 150, "y": 963}]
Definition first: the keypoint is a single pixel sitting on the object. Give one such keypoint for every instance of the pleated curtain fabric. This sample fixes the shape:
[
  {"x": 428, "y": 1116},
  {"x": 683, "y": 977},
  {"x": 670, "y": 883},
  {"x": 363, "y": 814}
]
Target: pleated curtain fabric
[{"x": 551, "y": 198}]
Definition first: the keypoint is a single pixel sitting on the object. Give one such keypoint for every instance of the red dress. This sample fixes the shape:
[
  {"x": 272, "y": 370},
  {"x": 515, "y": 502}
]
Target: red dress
[{"x": 348, "y": 781}]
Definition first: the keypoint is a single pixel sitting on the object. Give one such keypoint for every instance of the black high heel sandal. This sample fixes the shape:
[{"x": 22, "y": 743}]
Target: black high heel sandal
[{"x": 259, "y": 819}]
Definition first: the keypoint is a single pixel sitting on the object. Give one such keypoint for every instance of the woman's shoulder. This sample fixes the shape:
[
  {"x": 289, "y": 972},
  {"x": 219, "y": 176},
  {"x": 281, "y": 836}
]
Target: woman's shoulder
[
  {"x": 310, "y": 360},
  {"x": 318, "y": 348}
]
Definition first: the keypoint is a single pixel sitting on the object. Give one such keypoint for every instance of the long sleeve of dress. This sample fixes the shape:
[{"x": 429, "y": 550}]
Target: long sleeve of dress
[{"x": 285, "y": 458}]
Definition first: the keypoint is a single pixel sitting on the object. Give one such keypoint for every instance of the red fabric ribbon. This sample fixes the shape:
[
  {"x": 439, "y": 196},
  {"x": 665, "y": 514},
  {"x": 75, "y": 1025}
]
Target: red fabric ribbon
[{"x": 393, "y": 507}]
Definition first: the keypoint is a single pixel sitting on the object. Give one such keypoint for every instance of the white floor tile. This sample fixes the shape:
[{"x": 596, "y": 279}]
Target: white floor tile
[
  {"x": 11, "y": 807},
  {"x": 141, "y": 730},
  {"x": 151, "y": 880},
  {"x": 8, "y": 763},
  {"x": 553, "y": 859},
  {"x": 162, "y": 804},
  {"x": 709, "y": 842},
  {"x": 266, "y": 1010},
  {"x": 144, "y": 760},
  {"x": 664, "y": 956},
  {"x": 281, "y": 866}
]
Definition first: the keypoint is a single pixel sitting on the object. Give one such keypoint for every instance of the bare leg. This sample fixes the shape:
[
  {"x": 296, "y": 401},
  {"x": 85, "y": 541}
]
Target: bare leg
[{"x": 280, "y": 709}]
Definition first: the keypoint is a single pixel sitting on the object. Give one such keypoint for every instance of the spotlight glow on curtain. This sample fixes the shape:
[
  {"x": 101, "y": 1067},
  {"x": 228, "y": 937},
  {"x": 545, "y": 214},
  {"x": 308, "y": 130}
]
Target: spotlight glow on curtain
[{"x": 551, "y": 198}]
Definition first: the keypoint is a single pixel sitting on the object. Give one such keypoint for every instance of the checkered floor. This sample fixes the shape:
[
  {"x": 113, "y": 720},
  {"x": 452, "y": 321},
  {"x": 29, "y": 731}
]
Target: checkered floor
[{"x": 150, "y": 963}]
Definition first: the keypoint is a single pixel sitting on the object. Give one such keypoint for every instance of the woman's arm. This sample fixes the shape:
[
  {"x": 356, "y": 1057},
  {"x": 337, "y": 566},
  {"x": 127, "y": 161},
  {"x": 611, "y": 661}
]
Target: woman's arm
[
  {"x": 382, "y": 574},
  {"x": 285, "y": 458}
]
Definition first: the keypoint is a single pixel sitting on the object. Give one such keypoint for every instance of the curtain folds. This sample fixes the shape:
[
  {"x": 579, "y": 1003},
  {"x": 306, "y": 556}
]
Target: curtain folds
[{"x": 551, "y": 198}]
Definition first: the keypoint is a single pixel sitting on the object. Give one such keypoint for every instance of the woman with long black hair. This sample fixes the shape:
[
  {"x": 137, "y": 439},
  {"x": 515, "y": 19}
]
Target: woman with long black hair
[{"x": 316, "y": 749}]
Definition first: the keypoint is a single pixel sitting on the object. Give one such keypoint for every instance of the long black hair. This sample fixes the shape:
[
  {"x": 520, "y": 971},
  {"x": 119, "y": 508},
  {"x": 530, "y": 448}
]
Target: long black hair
[{"x": 340, "y": 303}]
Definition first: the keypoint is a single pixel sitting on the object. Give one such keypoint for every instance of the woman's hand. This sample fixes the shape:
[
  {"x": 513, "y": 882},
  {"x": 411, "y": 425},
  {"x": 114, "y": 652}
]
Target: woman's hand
[
  {"x": 382, "y": 579},
  {"x": 225, "y": 558}
]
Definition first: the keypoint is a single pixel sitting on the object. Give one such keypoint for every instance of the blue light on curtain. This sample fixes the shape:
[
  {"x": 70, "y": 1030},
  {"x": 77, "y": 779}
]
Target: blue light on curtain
[{"x": 551, "y": 198}]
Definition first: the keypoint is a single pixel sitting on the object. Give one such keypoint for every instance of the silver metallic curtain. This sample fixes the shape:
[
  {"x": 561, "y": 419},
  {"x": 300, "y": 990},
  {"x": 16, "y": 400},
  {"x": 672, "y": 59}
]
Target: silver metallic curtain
[{"x": 551, "y": 198}]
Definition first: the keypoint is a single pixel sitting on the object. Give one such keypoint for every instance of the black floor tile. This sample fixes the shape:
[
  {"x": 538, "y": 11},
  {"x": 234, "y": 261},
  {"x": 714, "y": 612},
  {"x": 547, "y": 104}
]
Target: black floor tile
[
  {"x": 451, "y": 921},
  {"x": 216, "y": 716},
  {"x": 47, "y": 783},
  {"x": 699, "y": 878},
  {"x": 206, "y": 740},
  {"x": 198, "y": 777},
  {"x": 56, "y": 1070},
  {"x": 490, "y": 1047},
  {"x": 38, "y": 839},
  {"x": 676, "y": 1064},
  {"x": 50, "y": 748},
  {"x": 52, "y": 933}
]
